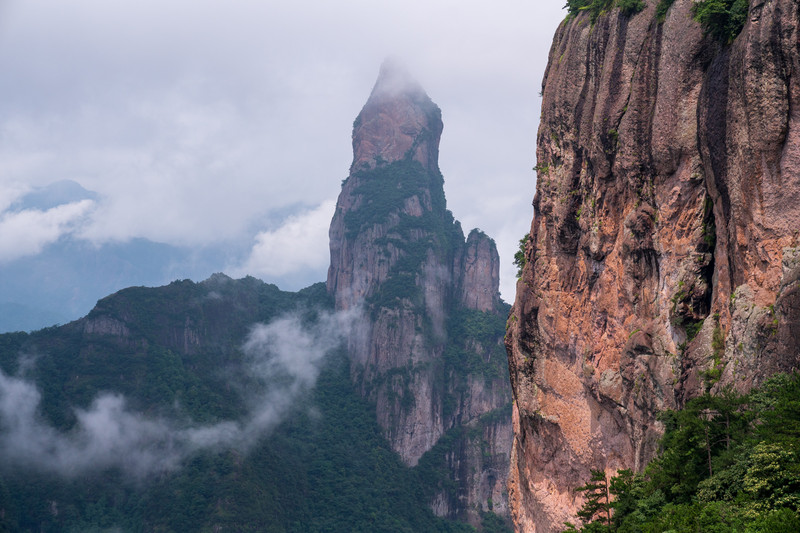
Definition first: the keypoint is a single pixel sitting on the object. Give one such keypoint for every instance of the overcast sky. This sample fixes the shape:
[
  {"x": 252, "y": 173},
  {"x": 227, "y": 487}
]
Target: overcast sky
[{"x": 201, "y": 122}]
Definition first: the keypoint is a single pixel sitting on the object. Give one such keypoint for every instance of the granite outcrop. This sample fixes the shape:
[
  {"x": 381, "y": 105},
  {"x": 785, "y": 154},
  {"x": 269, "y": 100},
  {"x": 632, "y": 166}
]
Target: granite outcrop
[
  {"x": 428, "y": 351},
  {"x": 663, "y": 254}
]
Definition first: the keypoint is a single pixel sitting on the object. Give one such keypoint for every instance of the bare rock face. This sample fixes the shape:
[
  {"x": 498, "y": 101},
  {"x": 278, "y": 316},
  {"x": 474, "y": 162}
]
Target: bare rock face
[
  {"x": 400, "y": 126},
  {"x": 663, "y": 258},
  {"x": 480, "y": 273},
  {"x": 429, "y": 349},
  {"x": 398, "y": 120}
]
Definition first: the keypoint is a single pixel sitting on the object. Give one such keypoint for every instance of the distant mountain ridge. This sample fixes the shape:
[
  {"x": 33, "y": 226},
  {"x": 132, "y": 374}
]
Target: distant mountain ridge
[{"x": 65, "y": 278}]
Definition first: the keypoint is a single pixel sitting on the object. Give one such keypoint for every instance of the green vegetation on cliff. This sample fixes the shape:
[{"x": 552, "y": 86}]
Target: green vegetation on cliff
[
  {"x": 384, "y": 191},
  {"x": 728, "y": 463},
  {"x": 475, "y": 343},
  {"x": 519, "y": 256},
  {"x": 176, "y": 355},
  {"x": 662, "y": 8},
  {"x": 385, "y": 188},
  {"x": 595, "y": 8},
  {"x": 722, "y": 19}
]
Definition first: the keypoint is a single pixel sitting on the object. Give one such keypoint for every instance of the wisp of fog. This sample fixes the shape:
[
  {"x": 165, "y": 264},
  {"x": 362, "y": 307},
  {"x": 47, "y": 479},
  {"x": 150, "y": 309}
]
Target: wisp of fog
[{"x": 283, "y": 356}]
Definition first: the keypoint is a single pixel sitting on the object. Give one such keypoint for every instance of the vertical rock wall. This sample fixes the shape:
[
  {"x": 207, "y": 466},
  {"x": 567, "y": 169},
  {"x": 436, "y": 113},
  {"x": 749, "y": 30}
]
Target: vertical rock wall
[
  {"x": 663, "y": 259},
  {"x": 398, "y": 254}
]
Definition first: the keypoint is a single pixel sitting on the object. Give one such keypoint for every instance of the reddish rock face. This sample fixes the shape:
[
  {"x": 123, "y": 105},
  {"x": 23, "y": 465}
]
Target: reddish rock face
[
  {"x": 397, "y": 254},
  {"x": 664, "y": 242},
  {"x": 398, "y": 123},
  {"x": 398, "y": 119}
]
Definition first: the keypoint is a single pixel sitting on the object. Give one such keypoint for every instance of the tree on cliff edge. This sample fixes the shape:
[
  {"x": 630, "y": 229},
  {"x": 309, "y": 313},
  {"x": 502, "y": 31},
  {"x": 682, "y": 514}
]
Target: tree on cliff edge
[{"x": 596, "y": 510}]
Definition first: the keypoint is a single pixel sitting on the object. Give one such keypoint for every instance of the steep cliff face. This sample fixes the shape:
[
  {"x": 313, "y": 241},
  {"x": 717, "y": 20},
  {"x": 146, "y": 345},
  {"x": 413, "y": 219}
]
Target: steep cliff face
[
  {"x": 663, "y": 259},
  {"x": 429, "y": 350}
]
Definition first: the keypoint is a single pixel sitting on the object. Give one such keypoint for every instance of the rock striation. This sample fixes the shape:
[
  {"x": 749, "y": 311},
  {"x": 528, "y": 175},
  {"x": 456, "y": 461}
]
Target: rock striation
[
  {"x": 429, "y": 350},
  {"x": 664, "y": 254}
]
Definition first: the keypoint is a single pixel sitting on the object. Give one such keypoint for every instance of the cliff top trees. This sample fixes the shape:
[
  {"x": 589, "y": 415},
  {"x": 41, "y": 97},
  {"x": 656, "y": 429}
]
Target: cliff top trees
[
  {"x": 722, "y": 19},
  {"x": 598, "y": 7}
]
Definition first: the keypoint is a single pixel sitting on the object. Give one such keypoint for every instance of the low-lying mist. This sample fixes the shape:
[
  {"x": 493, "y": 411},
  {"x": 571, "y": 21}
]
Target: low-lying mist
[{"x": 284, "y": 357}]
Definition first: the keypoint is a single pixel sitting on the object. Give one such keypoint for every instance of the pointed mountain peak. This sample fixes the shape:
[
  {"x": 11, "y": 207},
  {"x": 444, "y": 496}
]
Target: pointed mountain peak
[{"x": 399, "y": 120}]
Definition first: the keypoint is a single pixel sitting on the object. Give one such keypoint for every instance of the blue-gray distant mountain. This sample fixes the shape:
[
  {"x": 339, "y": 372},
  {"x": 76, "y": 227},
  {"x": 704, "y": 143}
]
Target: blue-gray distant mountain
[
  {"x": 67, "y": 278},
  {"x": 53, "y": 195}
]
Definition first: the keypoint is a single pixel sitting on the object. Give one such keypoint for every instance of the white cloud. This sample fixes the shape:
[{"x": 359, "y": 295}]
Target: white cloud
[
  {"x": 27, "y": 232},
  {"x": 193, "y": 120},
  {"x": 106, "y": 435},
  {"x": 300, "y": 243},
  {"x": 10, "y": 193}
]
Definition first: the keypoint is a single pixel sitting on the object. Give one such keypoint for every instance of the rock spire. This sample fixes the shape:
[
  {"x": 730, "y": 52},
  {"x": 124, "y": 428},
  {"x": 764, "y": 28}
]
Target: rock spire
[{"x": 397, "y": 252}]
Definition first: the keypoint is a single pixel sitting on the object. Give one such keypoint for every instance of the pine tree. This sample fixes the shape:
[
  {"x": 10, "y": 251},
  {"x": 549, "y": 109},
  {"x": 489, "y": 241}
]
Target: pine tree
[{"x": 596, "y": 510}]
